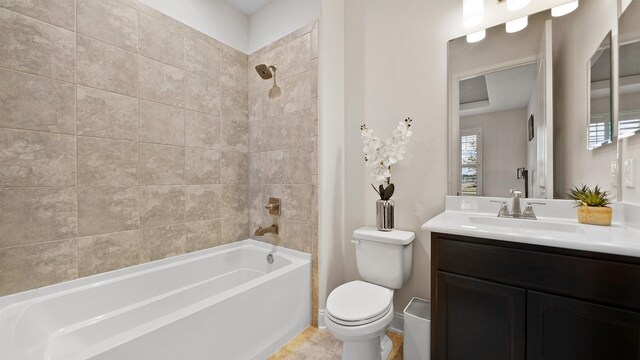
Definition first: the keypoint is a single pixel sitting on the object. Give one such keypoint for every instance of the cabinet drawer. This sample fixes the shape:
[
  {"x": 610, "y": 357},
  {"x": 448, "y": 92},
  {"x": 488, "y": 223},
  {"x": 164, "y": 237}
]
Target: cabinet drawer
[{"x": 593, "y": 279}]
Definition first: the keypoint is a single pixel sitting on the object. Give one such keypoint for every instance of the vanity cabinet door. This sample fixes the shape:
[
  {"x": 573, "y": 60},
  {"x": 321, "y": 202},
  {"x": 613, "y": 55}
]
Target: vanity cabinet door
[
  {"x": 560, "y": 328},
  {"x": 479, "y": 320}
]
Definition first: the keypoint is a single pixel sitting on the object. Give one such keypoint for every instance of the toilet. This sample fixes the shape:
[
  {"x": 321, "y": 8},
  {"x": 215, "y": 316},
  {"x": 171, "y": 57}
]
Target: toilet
[{"x": 359, "y": 312}]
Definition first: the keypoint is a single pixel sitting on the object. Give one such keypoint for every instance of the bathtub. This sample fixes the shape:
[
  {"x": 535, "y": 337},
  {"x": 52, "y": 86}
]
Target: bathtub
[{"x": 225, "y": 303}]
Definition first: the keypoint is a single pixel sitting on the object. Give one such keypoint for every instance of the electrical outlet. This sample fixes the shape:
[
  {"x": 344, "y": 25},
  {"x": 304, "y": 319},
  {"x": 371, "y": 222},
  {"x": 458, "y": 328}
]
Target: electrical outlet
[
  {"x": 628, "y": 173},
  {"x": 614, "y": 174}
]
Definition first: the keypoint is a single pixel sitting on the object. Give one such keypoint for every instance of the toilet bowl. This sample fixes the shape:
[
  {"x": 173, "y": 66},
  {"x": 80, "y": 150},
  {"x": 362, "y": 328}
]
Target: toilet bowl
[{"x": 359, "y": 312}]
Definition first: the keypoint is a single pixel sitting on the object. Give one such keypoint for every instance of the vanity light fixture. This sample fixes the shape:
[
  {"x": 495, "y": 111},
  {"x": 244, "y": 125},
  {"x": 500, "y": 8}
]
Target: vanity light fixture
[
  {"x": 517, "y": 24},
  {"x": 476, "y": 36},
  {"x": 513, "y": 5},
  {"x": 564, "y": 9},
  {"x": 472, "y": 12}
]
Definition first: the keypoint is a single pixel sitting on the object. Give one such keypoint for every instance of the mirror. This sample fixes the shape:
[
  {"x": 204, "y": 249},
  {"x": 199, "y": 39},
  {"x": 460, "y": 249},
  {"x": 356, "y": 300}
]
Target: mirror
[
  {"x": 629, "y": 71},
  {"x": 500, "y": 112},
  {"x": 600, "y": 127}
]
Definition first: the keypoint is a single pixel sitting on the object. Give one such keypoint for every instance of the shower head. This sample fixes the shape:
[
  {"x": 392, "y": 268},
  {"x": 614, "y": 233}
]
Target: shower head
[{"x": 265, "y": 71}]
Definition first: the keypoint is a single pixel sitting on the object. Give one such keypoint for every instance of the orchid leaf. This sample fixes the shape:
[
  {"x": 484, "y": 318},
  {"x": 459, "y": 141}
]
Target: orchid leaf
[{"x": 388, "y": 192}]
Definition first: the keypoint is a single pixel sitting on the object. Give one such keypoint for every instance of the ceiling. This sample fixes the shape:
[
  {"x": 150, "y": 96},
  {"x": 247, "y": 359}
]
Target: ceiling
[
  {"x": 501, "y": 90},
  {"x": 248, "y": 7}
]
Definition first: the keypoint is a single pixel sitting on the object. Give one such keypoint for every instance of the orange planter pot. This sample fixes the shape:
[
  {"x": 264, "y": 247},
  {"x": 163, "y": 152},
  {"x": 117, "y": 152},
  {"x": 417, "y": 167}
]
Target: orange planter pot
[{"x": 595, "y": 215}]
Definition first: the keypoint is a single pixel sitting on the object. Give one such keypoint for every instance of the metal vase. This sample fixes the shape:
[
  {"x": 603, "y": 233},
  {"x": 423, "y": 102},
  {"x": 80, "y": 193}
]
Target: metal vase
[{"x": 384, "y": 215}]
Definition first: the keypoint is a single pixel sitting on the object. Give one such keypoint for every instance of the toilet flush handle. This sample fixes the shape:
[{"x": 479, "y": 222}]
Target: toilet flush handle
[{"x": 355, "y": 241}]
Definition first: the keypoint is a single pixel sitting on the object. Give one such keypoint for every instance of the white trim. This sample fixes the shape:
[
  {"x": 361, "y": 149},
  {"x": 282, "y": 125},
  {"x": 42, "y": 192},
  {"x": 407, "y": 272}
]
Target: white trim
[
  {"x": 321, "y": 324},
  {"x": 397, "y": 324}
]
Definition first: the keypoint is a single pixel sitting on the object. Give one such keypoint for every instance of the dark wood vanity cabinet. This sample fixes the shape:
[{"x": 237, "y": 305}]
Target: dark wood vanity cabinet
[{"x": 498, "y": 300}]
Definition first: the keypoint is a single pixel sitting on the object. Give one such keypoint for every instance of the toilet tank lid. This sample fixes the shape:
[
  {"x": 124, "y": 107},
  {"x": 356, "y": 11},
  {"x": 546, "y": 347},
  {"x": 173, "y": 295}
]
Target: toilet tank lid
[{"x": 396, "y": 237}]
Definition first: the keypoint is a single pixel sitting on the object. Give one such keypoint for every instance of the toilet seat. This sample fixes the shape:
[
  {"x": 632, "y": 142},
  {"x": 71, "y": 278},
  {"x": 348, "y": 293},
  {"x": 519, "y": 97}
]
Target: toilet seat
[{"x": 358, "y": 303}]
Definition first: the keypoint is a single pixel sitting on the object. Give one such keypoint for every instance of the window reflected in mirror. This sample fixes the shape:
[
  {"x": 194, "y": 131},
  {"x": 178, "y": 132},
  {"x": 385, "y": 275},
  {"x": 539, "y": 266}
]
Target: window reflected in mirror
[{"x": 600, "y": 100}]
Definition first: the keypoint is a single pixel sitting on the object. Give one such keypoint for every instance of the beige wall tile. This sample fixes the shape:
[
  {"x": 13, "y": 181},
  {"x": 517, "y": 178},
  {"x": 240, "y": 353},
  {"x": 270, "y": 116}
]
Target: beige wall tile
[
  {"x": 256, "y": 99},
  {"x": 203, "y": 202},
  {"x": 296, "y": 202},
  {"x": 101, "y": 253},
  {"x": 60, "y": 13},
  {"x": 106, "y": 114},
  {"x": 235, "y": 201},
  {"x": 234, "y": 71},
  {"x": 35, "y": 47},
  {"x": 234, "y": 168},
  {"x": 161, "y": 83},
  {"x": 257, "y": 202},
  {"x": 161, "y": 42},
  {"x": 293, "y": 57},
  {"x": 31, "y": 215},
  {"x": 234, "y": 101},
  {"x": 203, "y": 234},
  {"x": 202, "y": 58},
  {"x": 202, "y": 166},
  {"x": 313, "y": 74},
  {"x": 272, "y": 169},
  {"x": 161, "y": 164},
  {"x": 297, "y": 235},
  {"x": 37, "y": 159},
  {"x": 107, "y": 209},
  {"x": 106, "y": 162},
  {"x": 203, "y": 94},
  {"x": 109, "y": 21},
  {"x": 298, "y": 165},
  {"x": 36, "y": 103},
  {"x": 287, "y": 131},
  {"x": 296, "y": 92},
  {"x": 202, "y": 130},
  {"x": 315, "y": 41},
  {"x": 160, "y": 123},
  {"x": 106, "y": 67},
  {"x": 161, "y": 205},
  {"x": 255, "y": 136},
  {"x": 164, "y": 241},
  {"x": 234, "y": 131},
  {"x": 255, "y": 167},
  {"x": 28, "y": 267},
  {"x": 234, "y": 229}
]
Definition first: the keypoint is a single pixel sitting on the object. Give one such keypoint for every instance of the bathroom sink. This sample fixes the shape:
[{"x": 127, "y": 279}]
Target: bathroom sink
[{"x": 527, "y": 225}]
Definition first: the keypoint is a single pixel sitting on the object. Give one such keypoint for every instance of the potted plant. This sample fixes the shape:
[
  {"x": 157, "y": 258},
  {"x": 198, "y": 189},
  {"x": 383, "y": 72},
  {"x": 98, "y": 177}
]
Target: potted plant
[
  {"x": 379, "y": 157},
  {"x": 593, "y": 205}
]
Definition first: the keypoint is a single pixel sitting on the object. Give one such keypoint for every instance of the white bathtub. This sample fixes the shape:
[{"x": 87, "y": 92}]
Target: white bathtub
[{"x": 221, "y": 303}]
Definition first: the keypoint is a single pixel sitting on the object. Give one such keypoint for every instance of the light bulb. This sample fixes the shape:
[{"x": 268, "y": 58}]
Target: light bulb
[
  {"x": 472, "y": 12},
  {"x": 564, "y": 9},
  {"x": 514, "y": 5},
  {"x": 517, "y": 24},
  {"x": 476, "y": 36}
]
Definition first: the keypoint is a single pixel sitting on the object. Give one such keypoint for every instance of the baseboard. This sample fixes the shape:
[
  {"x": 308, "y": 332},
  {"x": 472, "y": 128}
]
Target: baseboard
[
  {"x": 397, "y": 324},
  {"x": 321, "y": 324}
]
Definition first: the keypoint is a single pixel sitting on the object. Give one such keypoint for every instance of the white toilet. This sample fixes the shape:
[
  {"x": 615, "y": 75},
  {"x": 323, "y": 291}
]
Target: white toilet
[{"x": 359, "y": 312}]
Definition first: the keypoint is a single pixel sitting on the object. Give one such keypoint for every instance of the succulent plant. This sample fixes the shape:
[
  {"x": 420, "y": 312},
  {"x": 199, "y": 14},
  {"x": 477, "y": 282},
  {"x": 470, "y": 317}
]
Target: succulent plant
[{"x": 585, "y": 196}]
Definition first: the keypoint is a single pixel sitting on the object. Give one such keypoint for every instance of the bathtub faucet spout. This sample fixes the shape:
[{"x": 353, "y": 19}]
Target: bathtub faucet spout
[{"x": 273, "y": 229}]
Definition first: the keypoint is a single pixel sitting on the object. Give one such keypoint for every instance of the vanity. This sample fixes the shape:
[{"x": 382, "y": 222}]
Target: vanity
[{"x": 532, "y": 289}]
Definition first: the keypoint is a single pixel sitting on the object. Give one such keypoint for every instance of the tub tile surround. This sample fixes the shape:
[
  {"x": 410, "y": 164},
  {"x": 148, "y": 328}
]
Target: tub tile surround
[
  {"x": 127, "y": 139},
  {"x": 283, "y": 144},
  {"x": 110, "y": 140}
]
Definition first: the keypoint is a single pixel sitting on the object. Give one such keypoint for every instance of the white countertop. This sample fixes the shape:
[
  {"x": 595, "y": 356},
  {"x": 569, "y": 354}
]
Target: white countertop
[{"x": 557, "y": 226}]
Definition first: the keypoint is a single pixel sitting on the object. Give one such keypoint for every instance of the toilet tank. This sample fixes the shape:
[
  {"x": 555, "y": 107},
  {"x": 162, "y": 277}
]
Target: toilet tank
[{"x": 384, "y": 257}]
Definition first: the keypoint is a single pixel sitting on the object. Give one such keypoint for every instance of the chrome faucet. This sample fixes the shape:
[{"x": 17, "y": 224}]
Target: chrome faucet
[
  {"x": 516, "y": 211},
  {"x": 273, "y": 229}
]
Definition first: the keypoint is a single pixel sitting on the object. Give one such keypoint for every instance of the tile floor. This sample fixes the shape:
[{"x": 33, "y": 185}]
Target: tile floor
[{"x": 315, "y": 344}]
